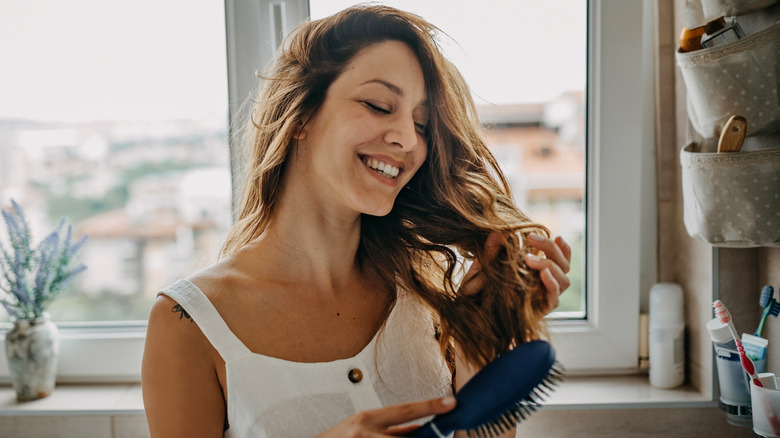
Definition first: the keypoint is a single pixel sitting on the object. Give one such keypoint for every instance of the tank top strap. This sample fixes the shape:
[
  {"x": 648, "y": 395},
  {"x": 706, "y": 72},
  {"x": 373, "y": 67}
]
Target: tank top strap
[{"x": 210, "y": 322}]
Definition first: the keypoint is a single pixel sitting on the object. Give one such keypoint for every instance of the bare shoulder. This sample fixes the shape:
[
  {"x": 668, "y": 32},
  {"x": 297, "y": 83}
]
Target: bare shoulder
[
  {"x": 169, "y": 321},
  {"x": 175, "y": 344},
  {"x": 165, "y": 314},
  {"x": 227, "y": 283},
  {"x": 216, "y": 279},
  {"x": 181, "y": 391},
  {"x": 171, "y": 330}
]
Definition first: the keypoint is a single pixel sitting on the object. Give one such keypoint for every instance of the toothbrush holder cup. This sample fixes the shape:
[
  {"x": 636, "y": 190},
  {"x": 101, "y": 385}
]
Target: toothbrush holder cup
[{"x": 766, "y": 405}]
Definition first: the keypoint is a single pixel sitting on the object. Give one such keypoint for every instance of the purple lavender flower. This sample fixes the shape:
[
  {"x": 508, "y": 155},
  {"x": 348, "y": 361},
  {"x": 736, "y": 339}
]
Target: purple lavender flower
[{"x": 31, "y": 278}]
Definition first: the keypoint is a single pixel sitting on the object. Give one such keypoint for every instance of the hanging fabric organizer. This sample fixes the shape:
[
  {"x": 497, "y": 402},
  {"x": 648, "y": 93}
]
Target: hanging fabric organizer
[
  {"x": 732, "y": 199},
  {"x": 742, "y": 78}
]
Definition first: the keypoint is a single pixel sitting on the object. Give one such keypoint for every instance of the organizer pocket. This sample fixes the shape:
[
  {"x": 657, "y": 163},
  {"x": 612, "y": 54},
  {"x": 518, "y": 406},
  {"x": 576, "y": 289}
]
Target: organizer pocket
[
  {"x": 742, "y": 78},
  {"x": 732, "y": 199},
  {"x": 715, "y": 8}
]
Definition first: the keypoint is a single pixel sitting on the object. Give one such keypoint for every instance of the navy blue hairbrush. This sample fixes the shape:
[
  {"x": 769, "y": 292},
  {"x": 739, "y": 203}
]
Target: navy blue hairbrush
[{"x": 501, "y": 394}]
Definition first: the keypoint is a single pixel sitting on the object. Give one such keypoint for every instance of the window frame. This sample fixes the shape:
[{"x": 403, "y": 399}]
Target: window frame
[
  {"x": 621, "y": 248},
  {"x": 621, "y": 196}
]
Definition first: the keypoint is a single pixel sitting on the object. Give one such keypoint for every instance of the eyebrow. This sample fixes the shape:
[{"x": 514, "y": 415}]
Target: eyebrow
[
  {"x": 390, "y": 86},
  {"x": 395, "y": 89}
]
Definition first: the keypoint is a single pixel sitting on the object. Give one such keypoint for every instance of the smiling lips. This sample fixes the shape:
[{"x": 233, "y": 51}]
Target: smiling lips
[{"x": 382, "y": 168}]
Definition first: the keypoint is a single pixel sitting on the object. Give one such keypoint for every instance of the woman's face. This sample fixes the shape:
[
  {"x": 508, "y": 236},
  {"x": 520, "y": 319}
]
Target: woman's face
[{"x": 367, "y": 139}]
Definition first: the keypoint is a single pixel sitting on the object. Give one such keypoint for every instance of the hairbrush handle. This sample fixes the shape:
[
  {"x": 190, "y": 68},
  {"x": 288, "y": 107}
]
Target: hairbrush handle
[
  {"x": 732, "y": 135},
  {"x": 428, "y": 430}
]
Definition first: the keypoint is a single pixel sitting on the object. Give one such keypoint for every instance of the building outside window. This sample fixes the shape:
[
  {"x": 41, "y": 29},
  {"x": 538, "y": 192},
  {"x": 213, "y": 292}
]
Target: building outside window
[{"x": 115, "y": 117}]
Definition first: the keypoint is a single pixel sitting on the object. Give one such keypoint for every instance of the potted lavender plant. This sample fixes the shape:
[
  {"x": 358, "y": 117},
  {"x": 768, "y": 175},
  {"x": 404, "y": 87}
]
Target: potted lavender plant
[{"x": 30, "y": 278}]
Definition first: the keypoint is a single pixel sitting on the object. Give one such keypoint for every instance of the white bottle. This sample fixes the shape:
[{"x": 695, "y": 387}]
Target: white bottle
[{"x": 667, "y": 336}]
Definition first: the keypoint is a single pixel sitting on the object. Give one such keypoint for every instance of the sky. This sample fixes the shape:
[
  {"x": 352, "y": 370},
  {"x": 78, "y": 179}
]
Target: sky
[
  {"x": 509, "y": 51},
  {"x": 152, "y": 60},
  {"x": 81, "y": 60}
]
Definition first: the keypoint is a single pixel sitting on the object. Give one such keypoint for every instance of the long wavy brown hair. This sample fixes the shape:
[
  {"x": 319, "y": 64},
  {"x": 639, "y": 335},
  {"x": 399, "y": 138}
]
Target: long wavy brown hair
[{"x": 455, "y": 201}]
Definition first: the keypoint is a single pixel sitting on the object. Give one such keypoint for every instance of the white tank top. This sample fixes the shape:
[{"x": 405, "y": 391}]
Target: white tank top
[{"x": 271, "y": 397}]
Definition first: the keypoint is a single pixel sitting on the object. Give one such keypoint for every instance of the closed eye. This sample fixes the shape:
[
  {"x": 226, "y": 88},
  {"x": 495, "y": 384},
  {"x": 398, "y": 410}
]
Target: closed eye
[
  {"x": 376, "y": 108},
  {"x": 419, "y": 127}
]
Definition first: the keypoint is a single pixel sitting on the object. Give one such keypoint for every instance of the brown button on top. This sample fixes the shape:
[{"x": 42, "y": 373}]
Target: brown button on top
[{"x": 355, "y": 375}]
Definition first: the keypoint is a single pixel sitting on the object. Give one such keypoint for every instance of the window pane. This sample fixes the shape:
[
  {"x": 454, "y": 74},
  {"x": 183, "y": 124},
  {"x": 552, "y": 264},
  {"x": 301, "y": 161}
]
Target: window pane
[
  {"x": 114, "y": 116},
  {"x": 525, "y": 62}
]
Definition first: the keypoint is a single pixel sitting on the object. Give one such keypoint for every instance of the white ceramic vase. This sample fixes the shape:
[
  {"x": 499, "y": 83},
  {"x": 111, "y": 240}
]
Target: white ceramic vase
[{"x": 32, "y": 348}]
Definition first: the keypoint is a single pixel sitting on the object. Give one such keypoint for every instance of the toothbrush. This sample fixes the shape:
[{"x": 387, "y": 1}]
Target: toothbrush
[
  {"x": 770, "y": 305},
  {"x": 722, "y": 313}
]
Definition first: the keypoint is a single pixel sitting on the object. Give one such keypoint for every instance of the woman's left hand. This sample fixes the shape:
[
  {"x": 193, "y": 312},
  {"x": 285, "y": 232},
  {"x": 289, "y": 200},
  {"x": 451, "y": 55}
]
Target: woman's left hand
[{"x": 552, "y": 266}]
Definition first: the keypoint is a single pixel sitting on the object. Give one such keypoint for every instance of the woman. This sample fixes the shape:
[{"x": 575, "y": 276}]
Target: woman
[{"x": 334, "y": 310}]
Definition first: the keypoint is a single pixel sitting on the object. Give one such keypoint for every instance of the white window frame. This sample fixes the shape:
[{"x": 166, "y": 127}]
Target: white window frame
[
  {"x": 621, "y": 212},
  {"x": 621, "y": 195}
]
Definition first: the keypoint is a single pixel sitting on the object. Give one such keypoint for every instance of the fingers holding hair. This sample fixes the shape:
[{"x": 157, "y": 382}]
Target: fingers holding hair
[
  {"x": 552, "y": 266},
  {"x": 556, "y": 250}
]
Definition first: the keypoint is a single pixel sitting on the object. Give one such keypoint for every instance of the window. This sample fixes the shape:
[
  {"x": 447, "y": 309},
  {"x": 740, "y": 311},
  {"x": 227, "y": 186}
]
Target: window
[
  {"x": 620, "y": 212},
  {"x": 528, "y": 64},
  {"x": 531, "y": 100},
  {"x": 115, "y": 116}
]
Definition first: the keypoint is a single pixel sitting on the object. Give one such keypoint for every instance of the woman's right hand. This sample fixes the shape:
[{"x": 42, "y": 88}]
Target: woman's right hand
[{"x": 387, "y": 421}]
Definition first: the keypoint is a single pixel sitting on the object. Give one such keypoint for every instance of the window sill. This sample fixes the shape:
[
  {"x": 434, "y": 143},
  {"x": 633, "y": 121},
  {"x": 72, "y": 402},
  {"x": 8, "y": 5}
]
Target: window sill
[
  {"x": 622, "y": 392},
  {"x": 72, "y": 399}
]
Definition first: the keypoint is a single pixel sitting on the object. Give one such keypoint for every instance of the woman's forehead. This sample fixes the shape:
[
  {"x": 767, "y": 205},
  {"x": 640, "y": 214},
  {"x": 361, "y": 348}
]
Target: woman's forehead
[{"x": 389, "y": 65}]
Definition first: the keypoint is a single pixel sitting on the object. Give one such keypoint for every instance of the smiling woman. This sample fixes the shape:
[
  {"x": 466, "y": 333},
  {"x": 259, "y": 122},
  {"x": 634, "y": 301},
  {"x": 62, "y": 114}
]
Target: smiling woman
[
  {"x": 334, "y": 309},
  {"x": 365, "y": 118}
]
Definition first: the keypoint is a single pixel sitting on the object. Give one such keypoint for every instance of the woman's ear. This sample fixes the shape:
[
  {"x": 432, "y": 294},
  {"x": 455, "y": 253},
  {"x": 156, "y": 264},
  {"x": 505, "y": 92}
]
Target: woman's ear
[{"x": 300, "y": 133}]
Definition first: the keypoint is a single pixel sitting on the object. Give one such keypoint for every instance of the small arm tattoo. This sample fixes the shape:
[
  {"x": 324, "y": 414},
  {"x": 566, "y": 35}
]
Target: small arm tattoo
[{"x": 182, "y": 313}]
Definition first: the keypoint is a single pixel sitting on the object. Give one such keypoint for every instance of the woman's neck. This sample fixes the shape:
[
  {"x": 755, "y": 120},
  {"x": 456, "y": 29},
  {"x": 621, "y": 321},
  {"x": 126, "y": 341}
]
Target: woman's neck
[{"x": 315, "y": 246}]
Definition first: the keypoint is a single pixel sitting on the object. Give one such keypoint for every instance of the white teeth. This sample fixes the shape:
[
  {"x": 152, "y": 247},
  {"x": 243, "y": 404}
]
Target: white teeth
[{"x": 386, "y": 169}]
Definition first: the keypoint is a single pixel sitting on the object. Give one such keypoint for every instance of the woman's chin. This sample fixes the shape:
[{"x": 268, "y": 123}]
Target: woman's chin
[
  {"x": 378, "y": 210},
  {"x": 377, "y": 213}
]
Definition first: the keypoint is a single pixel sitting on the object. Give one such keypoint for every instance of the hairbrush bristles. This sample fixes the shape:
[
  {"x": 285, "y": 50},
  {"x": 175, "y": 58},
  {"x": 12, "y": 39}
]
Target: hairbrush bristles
[
  {"x": 504, "y": 392},
  {"x": 523, "y": 409}
]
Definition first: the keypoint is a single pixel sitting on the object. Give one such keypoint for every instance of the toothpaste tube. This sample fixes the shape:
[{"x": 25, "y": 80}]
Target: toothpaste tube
[{"x": 755, "y": 347}]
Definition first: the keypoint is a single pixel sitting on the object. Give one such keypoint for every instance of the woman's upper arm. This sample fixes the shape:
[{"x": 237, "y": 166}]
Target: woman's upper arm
[{"x": 182, "y": 394}]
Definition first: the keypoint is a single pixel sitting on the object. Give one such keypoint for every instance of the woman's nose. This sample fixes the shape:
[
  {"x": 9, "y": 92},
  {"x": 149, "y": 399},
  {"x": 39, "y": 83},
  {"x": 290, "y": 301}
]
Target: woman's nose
[{"x": 402, "y": 132}]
